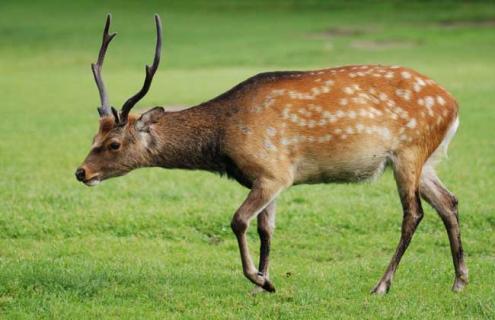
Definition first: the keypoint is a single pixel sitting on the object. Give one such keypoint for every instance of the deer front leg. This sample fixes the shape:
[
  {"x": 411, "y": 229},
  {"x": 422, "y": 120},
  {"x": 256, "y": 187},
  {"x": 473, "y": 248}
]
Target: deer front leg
[{"x": 261, "y": 195}]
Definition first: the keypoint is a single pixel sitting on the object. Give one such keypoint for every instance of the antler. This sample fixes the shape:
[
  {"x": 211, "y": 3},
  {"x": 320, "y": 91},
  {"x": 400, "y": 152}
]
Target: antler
[
  {"x": 96, "y": 67},
  {"x": 150, "y": 72}
]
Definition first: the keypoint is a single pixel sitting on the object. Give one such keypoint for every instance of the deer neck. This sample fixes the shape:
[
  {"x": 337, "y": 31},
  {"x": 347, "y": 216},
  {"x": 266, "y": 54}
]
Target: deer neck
[{"x": 187, "y": 139}]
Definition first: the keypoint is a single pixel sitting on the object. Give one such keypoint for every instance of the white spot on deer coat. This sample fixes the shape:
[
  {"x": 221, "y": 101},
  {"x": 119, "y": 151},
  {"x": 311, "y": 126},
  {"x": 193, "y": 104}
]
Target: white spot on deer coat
[
  {"x": 389, "y": 75},
  {"x": 385, "y": 133},
  {"x": 405, "y": 75},
  {"x": 429, "y": 101},
  {"x": 278, "y": 92},
  {"x": 441, "y": 100},
  {"x": 359, "y": 100},
  {"x": 343, "y": 102},
  {"x": 375, "y": 111},
  {"x": 316, "y": 91},
  {"x": 411, "y": 124},
  {"x": 416, "y": 87},
  {"x": 420, "y": 82}
]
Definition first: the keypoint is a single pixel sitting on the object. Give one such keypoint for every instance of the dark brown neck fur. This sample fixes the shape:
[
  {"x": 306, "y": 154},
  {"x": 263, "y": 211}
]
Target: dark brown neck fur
[
  {"x": 193, "y": 139},
  {"x": 188, "y": 139}
]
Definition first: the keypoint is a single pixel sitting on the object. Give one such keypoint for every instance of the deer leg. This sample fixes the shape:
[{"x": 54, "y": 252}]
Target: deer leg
[
  {"x": 406, "y": 177},
  {"x": 266, "y": 225},
  {"x": 261, "y": 195},
  {"x": 445, "y": 203}
]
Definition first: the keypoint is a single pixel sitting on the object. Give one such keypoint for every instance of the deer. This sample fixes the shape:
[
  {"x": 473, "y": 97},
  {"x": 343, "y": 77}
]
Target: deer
[{"x": 280, "y": 129}]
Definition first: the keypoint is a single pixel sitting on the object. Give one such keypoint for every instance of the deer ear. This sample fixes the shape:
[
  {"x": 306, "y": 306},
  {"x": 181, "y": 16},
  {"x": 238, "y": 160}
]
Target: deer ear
[{"x": 149, "y": 117}]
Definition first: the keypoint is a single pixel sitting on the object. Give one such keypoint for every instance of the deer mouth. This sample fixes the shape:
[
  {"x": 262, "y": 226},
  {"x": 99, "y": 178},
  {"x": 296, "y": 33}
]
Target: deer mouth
[{"x": 92, "y": 182}]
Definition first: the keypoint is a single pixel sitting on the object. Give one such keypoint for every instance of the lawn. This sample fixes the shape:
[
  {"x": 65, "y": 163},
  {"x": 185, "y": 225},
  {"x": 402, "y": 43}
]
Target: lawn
[{"x": 157, "y": 243}]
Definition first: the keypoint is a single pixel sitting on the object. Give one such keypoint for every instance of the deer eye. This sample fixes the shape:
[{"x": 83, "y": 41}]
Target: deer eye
[{"x": 114, "y": 145}]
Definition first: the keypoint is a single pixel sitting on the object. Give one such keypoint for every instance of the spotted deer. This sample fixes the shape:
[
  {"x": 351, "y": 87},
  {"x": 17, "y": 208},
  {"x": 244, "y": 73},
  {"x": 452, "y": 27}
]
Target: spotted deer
[{"x": 279, "y": 129}]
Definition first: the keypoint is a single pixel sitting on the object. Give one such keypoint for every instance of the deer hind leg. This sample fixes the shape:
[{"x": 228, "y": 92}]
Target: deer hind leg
[
  {"x": 261, "y": 195},
  {"x": 406, "y": 171},
  {"x": 445, "y": 203},
  {"x": 266, "y": 226}
]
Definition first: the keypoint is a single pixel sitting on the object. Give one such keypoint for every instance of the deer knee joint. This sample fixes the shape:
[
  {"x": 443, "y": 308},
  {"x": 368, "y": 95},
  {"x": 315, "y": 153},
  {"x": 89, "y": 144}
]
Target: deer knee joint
[
  {"x": 455, "y": 203},
  {"x": 418, "y": 215},
  {"x": 238, "y": 225},
  {"x": 415, "y": 215}
]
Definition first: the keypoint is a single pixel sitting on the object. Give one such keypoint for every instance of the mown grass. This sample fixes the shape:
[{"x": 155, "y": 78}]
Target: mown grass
[{"x": 157, "y": 243}]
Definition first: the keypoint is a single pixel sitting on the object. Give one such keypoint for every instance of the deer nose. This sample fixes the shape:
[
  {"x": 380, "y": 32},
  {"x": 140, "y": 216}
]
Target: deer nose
[{"x": 80, "y": 174}]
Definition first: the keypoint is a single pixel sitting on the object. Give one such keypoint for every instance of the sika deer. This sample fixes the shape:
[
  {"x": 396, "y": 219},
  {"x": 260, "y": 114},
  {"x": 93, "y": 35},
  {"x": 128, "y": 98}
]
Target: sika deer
[{"x": 280, "y": 129}]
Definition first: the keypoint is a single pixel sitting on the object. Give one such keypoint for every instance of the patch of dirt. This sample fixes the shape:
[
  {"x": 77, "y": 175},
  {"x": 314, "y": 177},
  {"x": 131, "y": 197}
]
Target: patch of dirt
[
  {"x": 384, "y": 44},
  {"x": 453, "y": 24},
  {"x": 339, "y": 32}
]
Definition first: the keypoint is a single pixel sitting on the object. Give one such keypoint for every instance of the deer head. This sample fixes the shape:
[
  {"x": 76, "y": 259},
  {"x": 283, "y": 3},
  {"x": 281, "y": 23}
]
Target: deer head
[{"x": 121, "y": 141}]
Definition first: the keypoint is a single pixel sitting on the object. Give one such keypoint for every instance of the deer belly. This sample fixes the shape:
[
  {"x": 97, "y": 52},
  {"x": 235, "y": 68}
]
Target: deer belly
[{"x": 340, "y": 168}]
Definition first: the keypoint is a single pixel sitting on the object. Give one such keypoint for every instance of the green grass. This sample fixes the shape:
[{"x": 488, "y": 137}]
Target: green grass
[{"x": 157, "y": 243}]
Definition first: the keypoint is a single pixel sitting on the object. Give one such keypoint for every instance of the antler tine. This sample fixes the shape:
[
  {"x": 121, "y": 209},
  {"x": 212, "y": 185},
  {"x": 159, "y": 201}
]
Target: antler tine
[
  {"x": 150, "y": 72},
  {"x": 96, "y": 68}
]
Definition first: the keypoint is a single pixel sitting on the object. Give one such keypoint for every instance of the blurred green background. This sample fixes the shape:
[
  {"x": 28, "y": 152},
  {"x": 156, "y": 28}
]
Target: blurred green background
[{"x": 157, "y": 243}]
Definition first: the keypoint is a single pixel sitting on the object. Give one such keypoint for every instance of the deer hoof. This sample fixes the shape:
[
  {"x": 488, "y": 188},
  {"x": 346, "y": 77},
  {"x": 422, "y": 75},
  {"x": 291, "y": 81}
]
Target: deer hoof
[
  {"x": 459, "y": 284},
  {"x": 381, "y": 288},
  {"x": 268, "y": 286}
]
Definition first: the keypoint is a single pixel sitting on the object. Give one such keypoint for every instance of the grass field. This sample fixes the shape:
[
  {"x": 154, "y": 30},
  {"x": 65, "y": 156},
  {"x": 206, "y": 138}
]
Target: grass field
[{"x": 157, "y": 243}]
